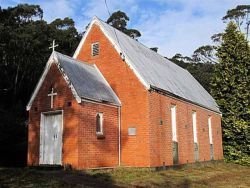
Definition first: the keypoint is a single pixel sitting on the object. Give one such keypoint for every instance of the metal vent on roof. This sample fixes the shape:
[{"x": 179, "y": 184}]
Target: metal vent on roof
[{"x": 95, "y": 49}]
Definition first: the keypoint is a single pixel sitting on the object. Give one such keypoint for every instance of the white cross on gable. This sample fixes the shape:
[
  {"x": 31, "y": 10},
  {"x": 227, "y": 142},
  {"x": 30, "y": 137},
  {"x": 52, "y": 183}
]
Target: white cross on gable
[
  {"x": 53, "y": 46},
  {"x": 51, "y": 95}
]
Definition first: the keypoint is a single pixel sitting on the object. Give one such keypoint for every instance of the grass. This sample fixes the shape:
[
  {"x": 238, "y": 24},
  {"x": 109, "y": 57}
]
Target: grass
[{"x": 212, "y": 175}]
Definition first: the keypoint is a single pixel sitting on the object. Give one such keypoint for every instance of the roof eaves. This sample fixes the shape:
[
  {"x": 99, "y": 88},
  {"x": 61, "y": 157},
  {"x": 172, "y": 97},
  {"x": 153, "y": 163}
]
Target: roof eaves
[
  {"x": 88, "y": 99},
  {"x": 181, "y": 98},
  {"x": 68, "y": 81},
  {"x": 77, "y": 61},
  {"x": 126, "y": 57},
  {"x": 84, "y": 37}
]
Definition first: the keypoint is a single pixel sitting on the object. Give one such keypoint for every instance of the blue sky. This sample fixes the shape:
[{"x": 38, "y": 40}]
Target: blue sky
[{"x": 175, "y": 26}]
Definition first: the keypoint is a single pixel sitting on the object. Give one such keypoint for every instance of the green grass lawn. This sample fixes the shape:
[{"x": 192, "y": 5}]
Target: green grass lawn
[{"x": 212, "y": 175}]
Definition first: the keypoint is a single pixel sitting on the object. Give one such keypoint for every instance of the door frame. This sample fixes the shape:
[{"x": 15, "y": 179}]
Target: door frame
[{"x": 42, "y": 117}]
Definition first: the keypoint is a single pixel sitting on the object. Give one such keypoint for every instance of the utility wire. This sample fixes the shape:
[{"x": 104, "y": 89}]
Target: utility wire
[
  {"x": 121, "y": 53},
  {"x": 107, "y": 7}
]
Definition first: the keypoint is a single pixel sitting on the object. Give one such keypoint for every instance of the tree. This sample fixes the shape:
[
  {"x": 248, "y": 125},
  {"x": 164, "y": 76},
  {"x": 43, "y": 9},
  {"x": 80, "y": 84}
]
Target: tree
[
  {"x": 179, "y": 57},
  {"x": 230, "y": 88},
  {"x": 205, "y": 54},
  {"x": 24, "y": 41},
  {"x": 202, "y": 72},
  {"x": 155, "y": 49},
  {"x": 241, "y": 16},
  {"x": 119, "y": 21}
]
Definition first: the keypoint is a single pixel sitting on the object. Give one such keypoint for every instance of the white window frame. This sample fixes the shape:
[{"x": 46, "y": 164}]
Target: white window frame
[
  {"x": 101, "y": 124},
  {"x": 194, "y": 121},
  {"x": 174, "y": 123},
  {"x": 210, "y": 132},
  {"x": 92, "y": 49}
]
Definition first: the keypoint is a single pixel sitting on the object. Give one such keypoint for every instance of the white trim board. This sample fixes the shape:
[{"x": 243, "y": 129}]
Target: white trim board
[
  {"x": 52, "y": 59},
  {"x": 39, "y": 84}
]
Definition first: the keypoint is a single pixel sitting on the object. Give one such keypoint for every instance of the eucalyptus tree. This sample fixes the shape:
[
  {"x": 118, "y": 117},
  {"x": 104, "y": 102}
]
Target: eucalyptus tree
[
  {"x": 119, "y": 20},
  {"x": 24, "y": 49}
]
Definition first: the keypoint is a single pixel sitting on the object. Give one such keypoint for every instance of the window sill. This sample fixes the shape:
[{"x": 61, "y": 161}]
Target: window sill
[{"x": 100, "y": 136}]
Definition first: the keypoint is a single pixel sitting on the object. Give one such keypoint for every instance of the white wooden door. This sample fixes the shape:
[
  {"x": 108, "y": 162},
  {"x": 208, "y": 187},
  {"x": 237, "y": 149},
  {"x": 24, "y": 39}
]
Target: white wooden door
[{"x": 51, "y": 139}]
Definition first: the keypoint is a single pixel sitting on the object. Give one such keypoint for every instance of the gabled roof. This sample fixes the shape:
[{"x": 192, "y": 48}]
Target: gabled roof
[
  {"x": 84, "y": 80},
  {"x": 153, "y": 70}
]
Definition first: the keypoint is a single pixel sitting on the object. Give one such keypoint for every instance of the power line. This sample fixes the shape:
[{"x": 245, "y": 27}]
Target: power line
[
  {"x": 107, "y": 7},
  {"x": 121, "y": 53}
]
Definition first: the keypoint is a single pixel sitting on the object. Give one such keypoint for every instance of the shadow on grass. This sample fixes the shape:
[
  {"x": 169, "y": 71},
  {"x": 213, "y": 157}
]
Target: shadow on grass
[
  {"x": 210, "y": 176},
  {"x": 17, "y": 177}
]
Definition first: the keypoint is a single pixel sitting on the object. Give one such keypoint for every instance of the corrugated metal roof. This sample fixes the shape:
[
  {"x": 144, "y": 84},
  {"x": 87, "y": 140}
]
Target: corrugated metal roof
[
  {"x": 87, "y": 80},
  {"x": 158, "y": 71}
]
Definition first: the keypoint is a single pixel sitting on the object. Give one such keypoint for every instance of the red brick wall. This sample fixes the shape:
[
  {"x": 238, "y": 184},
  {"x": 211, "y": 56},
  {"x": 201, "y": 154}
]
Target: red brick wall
[
  {"x": 153, "y": 143},
  {"x": 133, "y": 96},
  {"x": 78, "y": 126},
  {"x": 161, "y": 135},
  {"x": 93, "y": 151},
  {"x": 70, "y": 114}
]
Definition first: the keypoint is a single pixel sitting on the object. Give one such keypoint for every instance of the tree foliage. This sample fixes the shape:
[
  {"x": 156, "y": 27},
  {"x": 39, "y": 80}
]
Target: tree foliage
[
  {"x": 241, "y": 16},
  {"x": 226, "y": 66},
  {"x": 24, "y": 49},
  {"x": 230, "y": 88},
  {"x": 205, "y": 54},
  {"x": 119, "y": 21},
  {"x": 202, "y": 72}
]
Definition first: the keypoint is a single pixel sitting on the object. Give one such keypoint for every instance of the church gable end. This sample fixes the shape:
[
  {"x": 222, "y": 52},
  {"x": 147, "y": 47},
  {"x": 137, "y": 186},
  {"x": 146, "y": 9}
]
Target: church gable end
[
  {"x": 54, "y": 90},
  {"x": 128, "y": 87},
  {"x": 52, "y": 62},
  {"x": 85, "y": 81},
  {"x": 151, "y": 69},
  {"x": 54, "y": 106}
]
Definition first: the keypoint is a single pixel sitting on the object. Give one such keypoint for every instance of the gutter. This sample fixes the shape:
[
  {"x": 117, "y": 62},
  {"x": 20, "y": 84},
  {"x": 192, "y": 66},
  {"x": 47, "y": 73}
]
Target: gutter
[
  {"x": 164, "y": 92},
  {"x": 102, "y": 102}
]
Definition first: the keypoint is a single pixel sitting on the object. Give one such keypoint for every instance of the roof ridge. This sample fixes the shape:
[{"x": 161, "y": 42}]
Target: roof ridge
[{"x": 151, "y": 51}]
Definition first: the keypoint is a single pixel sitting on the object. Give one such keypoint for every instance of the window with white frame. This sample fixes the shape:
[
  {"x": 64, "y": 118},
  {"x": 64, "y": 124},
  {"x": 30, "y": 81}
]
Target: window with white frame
[
  {"x": 194, "y": 126},
  {"x": 173, "y": 122},
  {"x": 210, "y": 129},
  {"x": 95, "y": 49},
  {"x": 99, "y": 123}
]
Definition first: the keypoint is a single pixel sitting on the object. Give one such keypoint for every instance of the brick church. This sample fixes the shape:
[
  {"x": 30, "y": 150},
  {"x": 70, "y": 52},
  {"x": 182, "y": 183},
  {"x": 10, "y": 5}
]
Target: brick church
[{"x": 118, "y": 103}]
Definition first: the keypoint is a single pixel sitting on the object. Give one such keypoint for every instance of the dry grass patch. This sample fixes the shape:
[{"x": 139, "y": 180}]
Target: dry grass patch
[{"x": 213, "y": 175}]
